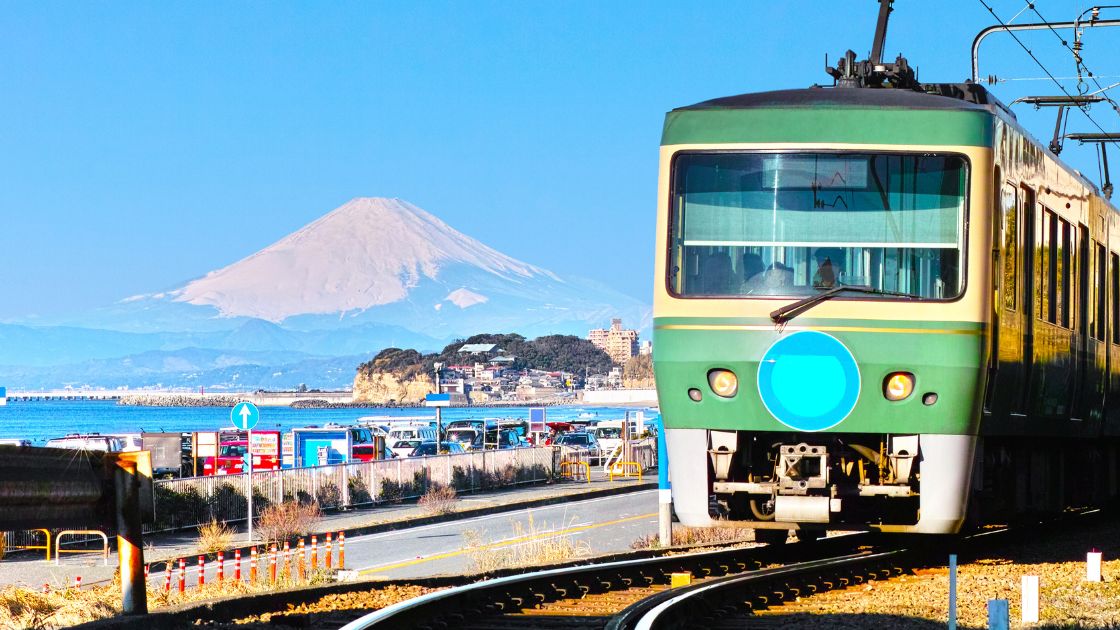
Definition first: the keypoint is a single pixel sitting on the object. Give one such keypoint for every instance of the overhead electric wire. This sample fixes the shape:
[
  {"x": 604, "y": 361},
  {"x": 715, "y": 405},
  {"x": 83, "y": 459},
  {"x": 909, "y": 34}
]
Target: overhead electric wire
[
  {"x": 1080, "y": 62},
  {"x": 1083, "y": 108}
]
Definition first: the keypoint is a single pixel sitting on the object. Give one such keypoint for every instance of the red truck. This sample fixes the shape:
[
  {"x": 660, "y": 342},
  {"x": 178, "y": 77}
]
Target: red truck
[{"x": 231, "y": 452}]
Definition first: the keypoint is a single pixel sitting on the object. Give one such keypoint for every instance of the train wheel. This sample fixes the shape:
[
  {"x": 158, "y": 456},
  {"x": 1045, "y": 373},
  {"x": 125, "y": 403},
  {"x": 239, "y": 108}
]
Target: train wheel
[{"x": 771, "y": 536}]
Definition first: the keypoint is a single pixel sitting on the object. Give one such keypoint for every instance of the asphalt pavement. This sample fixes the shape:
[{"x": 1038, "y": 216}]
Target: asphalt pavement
[{"x": 600, "y": 525}]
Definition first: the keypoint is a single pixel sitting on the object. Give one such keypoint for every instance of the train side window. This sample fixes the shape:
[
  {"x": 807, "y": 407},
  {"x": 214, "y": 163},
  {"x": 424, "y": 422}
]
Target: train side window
[
  {"x": 1042, "y": 264},
  {"x": 1009, "y": 205},
  {"x": 1098, "y": 287},
  {"x": 1051, "y": 289},
  {"x": 1115, "y": 263},
  {"x": 1066, "y": 260}
]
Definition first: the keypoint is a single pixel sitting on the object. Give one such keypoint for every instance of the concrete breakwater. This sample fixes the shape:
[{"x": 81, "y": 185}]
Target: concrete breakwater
[{"x": 183, "y": 400}]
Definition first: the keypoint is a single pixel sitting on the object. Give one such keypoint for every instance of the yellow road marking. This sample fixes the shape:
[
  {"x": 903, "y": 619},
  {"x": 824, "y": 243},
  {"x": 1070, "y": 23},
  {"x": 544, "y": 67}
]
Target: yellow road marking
[{"x": 505, "y": 543}]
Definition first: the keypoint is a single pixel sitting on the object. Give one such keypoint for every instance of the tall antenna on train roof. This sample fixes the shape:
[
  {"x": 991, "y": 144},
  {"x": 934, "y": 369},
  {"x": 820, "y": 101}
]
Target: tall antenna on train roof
[{"x": 872, "y": 72}]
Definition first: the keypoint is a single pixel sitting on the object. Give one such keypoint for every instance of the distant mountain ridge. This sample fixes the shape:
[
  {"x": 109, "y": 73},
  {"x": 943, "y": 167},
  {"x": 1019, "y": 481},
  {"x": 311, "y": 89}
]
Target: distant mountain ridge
[{"x": 371, "y": 274}]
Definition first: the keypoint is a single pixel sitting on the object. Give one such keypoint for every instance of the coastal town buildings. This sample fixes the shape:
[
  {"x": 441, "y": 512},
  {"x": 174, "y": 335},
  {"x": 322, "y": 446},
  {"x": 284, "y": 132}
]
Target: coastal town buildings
[{"x": 618, "y": 342}]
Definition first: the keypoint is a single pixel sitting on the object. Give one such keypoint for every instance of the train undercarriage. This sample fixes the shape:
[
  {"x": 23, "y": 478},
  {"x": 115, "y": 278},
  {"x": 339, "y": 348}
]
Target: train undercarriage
[
  {"x": 826, "y": 478},
  {"x": 918, "y": 483}
]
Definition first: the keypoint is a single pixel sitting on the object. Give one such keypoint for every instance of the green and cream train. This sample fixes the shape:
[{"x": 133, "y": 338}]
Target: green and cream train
[{"x": 885, "y": 309}]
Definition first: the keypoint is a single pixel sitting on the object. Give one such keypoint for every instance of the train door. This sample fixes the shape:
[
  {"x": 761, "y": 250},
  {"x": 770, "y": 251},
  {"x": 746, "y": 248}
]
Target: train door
[
  {"x": 1014, "y": 309},
  {"x": 1006, "y": 363}
]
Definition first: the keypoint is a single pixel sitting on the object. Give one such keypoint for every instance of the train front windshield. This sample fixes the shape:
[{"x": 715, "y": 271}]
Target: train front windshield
[{"x": 795, "y": 224}]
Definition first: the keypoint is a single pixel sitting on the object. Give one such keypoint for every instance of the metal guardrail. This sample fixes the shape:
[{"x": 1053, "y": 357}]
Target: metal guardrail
[
  {"x": 625, "y": 469},
  {"x": 58, "y": 550},
  {"x": 30, "y": 539},
  {"x": 568, "y": 470}
]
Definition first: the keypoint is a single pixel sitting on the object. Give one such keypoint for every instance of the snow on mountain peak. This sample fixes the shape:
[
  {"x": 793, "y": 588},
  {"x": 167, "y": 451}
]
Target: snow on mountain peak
[{"x": 368, "y": 252}]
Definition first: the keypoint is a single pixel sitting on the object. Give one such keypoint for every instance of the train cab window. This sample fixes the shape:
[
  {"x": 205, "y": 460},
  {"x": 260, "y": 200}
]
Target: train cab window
[
  {"x": 798, "y": 224},
  {"x": 1009, "y": 205}
]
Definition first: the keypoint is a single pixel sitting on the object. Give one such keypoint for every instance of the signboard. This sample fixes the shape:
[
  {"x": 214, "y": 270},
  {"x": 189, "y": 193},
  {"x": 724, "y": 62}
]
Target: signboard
[
  {"x": 537, "y": 419},
  {"x": 244, "y": 415},
  {"x": 265, "y": 443},
  {"x": 437, "y": 400},
  {"x": 205, "y": 444},
  {"x": 287, "y": 451}
]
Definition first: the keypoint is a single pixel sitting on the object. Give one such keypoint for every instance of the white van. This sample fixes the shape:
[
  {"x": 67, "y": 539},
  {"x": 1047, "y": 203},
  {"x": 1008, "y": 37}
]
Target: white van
[
  {"x": 609, "y": 434},
  {"x": 132, "y": 441},
  {"x": 422, "y": 432},
  {"x": 92, "y": 442}
]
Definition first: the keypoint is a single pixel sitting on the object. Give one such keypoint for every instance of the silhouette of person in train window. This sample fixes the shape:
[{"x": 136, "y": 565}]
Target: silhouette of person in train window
[
  {"x": 715, "y": 274},
  {"x": 764, "y": 283},
  {"x": 752, "y": 266},
  {"x": 825, "y": 276}
]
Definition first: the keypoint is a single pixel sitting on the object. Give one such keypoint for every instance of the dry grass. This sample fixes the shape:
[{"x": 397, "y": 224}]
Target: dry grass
[
  {"x": 64, "y": 607},
  {"x": 284, "y": 521},
  {"x": 692, "y": 536},
  {"x": 60, "y": 608},
  {"x": 528, "y": 547},
  {"x": 214, "y": 536},
  {"x": 439, "y": 499}
]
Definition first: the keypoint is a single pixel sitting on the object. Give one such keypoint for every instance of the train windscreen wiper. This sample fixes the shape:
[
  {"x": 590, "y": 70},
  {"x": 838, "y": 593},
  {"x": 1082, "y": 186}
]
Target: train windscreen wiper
[{"x": 789, "y": 311}]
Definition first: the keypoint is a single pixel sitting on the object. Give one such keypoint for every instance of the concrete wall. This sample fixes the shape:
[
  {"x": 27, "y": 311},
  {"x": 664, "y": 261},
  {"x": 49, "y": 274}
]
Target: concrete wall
[{"x": 619, "y": 396}]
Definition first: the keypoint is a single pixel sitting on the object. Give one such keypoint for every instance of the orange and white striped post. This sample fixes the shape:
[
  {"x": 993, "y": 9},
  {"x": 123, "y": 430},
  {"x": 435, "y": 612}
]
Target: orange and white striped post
[
  {"x": 301, "y": 560},
  {"x": 221, "y": 567},
  {"x": 202, "y": 570},
  {"x": 167, "y": 579},
  {"x": 253, "y": 565},
  {"x": 327, "y": 564},
  {"x": 272, "y": 565},
  {"x": 237, "y": 565},
  {"x": 182, "y": 575},
  {"x": 147, "y": 572},
  {"x": 342, "y": 550},
  {"x": 78, "y": 582},
  {"x": 46, "y": 588},
  {"x": 287, "y": 573},
  {"x": 314, "y": 553}
]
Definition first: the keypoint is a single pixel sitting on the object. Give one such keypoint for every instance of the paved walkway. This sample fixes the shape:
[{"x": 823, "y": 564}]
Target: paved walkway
[{"x": 28, "y": 568}]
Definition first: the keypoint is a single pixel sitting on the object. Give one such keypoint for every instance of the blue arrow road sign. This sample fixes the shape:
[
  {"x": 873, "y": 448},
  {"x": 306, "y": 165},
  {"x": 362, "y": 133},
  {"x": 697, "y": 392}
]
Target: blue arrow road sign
[{"x": 244, "y": 415}]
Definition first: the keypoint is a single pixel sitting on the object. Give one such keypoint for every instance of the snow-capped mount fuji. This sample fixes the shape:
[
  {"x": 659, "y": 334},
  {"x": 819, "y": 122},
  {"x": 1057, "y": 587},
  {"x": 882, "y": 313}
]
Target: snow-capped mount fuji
[
  {"x": 367, "y": 253},
  {"x": 373, "y": 273},
  {"x": 386, "y": 261}
]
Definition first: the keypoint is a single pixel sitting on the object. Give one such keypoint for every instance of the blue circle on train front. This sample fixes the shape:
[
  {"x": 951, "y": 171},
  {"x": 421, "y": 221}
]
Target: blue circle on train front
[{"x": 809, "y": 381}]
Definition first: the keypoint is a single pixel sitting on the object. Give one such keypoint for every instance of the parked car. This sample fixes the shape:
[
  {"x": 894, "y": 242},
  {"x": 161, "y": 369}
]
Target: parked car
[
  {"x": 582, "y": 442},
  {"x": 14, "y": 442},
  {"x": 429, "y": 448},
  {"x": 404, "y": 448}
]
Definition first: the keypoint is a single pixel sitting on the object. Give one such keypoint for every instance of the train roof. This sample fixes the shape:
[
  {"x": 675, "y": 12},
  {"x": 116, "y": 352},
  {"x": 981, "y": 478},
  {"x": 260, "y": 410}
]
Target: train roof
[{"x": 935, "y": 96}]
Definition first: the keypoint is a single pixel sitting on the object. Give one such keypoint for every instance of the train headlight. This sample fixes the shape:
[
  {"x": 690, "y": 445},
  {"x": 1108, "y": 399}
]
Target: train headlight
[
  {"x": 898, "y": 386},
  {"x": 723, "y": 382}
]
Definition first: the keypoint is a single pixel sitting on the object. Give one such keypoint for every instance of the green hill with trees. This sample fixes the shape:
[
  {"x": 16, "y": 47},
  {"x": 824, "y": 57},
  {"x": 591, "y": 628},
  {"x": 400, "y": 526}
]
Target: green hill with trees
[{"x": 552, "y": 353}]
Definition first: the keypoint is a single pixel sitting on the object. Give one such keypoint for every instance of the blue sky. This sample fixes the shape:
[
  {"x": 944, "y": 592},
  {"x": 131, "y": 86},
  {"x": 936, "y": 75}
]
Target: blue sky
[{"x": 143, "y": 144}]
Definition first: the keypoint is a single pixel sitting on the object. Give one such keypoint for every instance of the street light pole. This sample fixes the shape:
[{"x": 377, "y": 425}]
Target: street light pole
[{"x": 439, "y": 414}]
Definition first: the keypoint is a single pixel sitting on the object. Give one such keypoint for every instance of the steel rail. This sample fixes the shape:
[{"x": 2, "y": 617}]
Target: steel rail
[
  {"x": 677, "y": 608},
  {"x": 527, "y": 590}
]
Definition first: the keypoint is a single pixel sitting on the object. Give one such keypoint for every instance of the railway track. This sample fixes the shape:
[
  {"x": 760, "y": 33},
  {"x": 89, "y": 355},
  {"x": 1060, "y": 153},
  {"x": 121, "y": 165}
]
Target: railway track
[{"x": 619, "y": 595}]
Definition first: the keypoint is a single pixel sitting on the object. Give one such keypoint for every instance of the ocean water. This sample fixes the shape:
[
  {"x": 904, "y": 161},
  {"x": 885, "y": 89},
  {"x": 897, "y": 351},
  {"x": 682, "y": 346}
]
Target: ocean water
[{"x": 40, "y": 421}]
